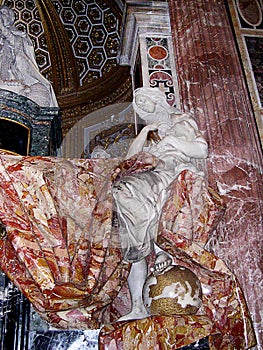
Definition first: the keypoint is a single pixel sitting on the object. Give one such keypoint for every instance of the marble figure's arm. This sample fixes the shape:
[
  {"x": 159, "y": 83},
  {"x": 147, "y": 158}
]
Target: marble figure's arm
[
  {"x": 196, "y": 148},
  {"x": 138, "y": 143}
]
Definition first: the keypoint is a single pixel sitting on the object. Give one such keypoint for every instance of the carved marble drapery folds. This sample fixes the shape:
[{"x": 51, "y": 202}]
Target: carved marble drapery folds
[
  {"x": 63, "y": 252},
  {"x": 228, "y": 329},
  {"x": 212, "y": 86}
]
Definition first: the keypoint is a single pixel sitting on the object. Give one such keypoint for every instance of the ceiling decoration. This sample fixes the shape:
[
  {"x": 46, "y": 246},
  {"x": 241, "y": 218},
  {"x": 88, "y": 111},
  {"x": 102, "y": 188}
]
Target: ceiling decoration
[
  {"x": 93, "y": 30},
  {"x": 76, "y": 45}
]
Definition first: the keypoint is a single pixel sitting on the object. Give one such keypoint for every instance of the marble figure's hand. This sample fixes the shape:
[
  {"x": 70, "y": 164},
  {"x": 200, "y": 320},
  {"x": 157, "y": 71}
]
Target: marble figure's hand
[{"x": 150, "y": 127}]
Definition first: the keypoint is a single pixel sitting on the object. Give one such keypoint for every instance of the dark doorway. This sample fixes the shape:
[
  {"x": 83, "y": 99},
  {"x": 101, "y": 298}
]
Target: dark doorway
[{"x": 14, "y": 137}]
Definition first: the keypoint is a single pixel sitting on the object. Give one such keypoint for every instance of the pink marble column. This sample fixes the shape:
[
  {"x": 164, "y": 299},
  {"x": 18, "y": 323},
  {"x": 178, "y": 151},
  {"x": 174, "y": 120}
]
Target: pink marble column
[{"x": 212, "y": 86}]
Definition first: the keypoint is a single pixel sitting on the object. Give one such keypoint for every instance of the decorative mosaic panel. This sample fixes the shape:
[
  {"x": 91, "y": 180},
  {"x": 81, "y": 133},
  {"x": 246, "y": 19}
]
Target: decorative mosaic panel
[
  {"x": 255, "y": 50},
  {"x": 250, "y": 14},
  {"x": 159, "y": 67},
  {"x": 93, "y": 31},
  {"x": 27, "y": 20}
]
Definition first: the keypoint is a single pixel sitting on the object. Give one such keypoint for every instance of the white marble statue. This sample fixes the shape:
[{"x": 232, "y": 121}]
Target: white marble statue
[
  {"x": 139, "y": 197},
  {"x": 19, "y": 71}
]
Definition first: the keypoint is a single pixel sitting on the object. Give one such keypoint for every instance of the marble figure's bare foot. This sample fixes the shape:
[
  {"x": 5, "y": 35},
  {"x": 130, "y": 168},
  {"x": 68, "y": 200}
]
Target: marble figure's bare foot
[{"x": 162, "y": 261}]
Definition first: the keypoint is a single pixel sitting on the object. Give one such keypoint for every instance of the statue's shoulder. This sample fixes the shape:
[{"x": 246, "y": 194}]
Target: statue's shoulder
[{"x": 181, "y": 117}]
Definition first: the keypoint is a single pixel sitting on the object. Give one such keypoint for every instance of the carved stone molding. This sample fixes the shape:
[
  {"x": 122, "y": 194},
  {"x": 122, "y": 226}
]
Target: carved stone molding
[
  {"x": 146, "y": 46},
  {"x": 141, "y": 18},
  {"x": 43, "y": 123}
]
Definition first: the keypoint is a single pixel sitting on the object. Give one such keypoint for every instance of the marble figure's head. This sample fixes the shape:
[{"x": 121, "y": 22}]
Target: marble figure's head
[
  {"x": 7, "y": 15},
  {"x": 150, "y": 103}
]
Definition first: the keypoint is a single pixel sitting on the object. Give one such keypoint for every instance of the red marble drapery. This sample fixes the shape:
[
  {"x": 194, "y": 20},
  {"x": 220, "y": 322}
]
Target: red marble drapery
[
  {"x": 61, "y": 249},
  {"x": 212, "y": 86}
]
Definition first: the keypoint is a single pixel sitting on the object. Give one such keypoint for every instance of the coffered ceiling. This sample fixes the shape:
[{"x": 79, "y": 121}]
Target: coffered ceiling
[{"x": 76, "y": 45}]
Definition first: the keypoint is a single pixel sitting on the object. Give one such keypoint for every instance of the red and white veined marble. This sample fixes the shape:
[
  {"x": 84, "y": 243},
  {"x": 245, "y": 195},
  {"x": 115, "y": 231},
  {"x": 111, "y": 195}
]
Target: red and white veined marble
[{"x": 63, "y": 253}]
